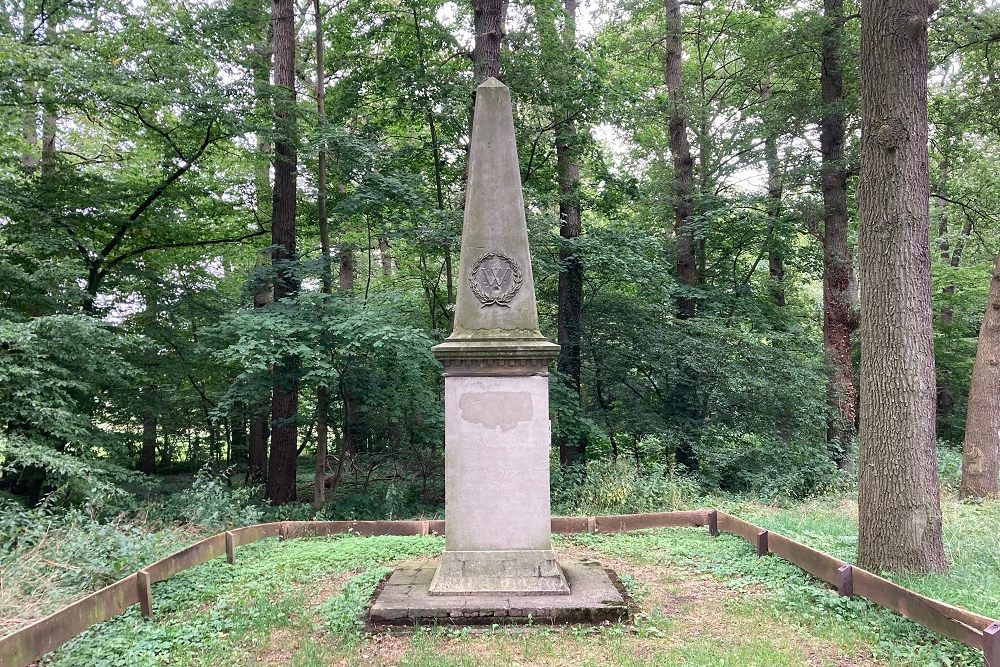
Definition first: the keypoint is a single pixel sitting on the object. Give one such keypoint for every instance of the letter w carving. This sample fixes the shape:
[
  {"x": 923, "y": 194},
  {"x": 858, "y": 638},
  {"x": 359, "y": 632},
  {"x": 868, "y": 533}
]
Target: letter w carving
[{"x": 495, "y": 276}]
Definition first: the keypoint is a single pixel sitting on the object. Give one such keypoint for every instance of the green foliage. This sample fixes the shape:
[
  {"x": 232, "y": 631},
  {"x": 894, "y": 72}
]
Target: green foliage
[
  {"x": 57, "y": 370},
  {"x": 212, "y": 503},
  {"x": 618, "y": 488},
  {"x": 344, "y": 613},
  {"x": 217, "y": 613}
]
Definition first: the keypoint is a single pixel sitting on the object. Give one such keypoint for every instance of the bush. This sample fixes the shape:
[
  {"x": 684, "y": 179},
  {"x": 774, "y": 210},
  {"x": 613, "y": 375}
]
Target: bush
[
  {"x": 212, "y": 504},
  {"x": 602, "y": 487},
  {"x": 48, "y": 558}
]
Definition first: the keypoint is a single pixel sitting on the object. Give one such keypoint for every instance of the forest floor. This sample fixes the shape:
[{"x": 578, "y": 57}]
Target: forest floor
[{"x": 700, "y": 601}]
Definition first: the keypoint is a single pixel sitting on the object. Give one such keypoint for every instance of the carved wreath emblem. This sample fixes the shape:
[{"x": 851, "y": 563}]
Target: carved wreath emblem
[{"x": 495, "y": 279}]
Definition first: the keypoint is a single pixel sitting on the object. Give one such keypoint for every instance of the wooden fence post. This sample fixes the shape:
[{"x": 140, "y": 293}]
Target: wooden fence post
[
  {"x": 230, "y": 547},
  {"x": 991, "y": 646},
  {"x": 713, "y": 523},
  {"x": 845, "y": 580},
  {"x": 762, "y": 544},
  {"x": 145, "y": 589}
]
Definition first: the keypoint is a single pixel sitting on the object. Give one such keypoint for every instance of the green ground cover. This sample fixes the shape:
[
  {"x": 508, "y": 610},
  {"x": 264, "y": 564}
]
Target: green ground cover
[{"x": 700, "y": 601}]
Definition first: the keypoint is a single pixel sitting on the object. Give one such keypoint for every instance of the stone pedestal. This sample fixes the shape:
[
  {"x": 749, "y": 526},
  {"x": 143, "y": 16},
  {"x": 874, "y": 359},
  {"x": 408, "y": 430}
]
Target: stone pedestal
[{"x": 497, "y": 442}]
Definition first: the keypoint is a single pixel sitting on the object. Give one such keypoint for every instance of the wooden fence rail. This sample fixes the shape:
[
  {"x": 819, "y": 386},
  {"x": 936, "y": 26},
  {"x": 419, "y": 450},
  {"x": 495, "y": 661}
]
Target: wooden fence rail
[{"x": 25, "y": 646}]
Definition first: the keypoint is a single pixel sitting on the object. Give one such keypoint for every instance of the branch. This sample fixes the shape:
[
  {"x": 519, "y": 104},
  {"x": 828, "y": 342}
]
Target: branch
[
  {"x": 160, "y": 189},
  {"x": 178, "y": 244}
]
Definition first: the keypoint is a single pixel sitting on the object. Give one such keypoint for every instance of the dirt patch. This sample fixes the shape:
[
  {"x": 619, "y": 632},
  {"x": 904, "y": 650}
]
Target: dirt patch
[{"x": 281, "y": 647}]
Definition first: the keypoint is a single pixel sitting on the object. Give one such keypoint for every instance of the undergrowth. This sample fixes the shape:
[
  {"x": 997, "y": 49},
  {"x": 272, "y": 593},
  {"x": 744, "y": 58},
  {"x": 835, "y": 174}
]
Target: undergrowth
[{"x": 218, "y": 613}]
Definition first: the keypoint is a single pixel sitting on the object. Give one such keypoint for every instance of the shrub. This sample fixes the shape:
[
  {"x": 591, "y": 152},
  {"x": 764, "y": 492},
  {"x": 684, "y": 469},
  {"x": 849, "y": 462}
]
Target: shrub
[
  {"x": 602, "y": 487},
  {"x": 212, "y": 504}
]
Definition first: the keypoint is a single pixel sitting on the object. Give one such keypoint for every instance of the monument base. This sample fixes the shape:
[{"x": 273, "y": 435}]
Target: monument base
[
  {"x": 405, "y": 599},
  {"x": 514, "y": 572}
]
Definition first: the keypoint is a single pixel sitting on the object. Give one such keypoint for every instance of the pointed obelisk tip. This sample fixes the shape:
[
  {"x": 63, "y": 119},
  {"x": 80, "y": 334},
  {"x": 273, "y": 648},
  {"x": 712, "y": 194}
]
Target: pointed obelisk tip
[
  {"x": 492, "y": 82},
  {"x": 496, "y": 316}
]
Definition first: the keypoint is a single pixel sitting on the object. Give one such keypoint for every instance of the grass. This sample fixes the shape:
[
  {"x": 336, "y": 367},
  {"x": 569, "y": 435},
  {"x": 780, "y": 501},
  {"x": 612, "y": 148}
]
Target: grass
[{"x": 701, "y": 601}]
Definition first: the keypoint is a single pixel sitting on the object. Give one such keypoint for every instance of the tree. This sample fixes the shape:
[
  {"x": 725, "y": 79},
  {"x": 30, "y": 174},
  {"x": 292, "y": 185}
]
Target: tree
[
  {"x": 981, "y": 453},
  {"x": 558, "y": 50},
  {"x": 899, "y": 509},
  {"x": 839, "y": 292},
  {"x": 322, "y": 396},
  {"x": 147, "y": 459},
  {"x": 775, "y": 185},
  {"x": 680, "y": 150},
  {"x": 489, "y": 18},
  {"x": 285, "y": 393}
]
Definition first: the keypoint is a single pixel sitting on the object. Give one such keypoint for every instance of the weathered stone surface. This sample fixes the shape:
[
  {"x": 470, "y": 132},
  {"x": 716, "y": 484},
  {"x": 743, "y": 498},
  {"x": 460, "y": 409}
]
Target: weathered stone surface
[
  {"x": 494, "y": 231},
  {"x": 495, "y": 301},
  {"x": 497, "y": 441},
  {"x": 511, "y": 572},
  {"x": 594, "y": 599},
  {"x": 497, "y": 431}
]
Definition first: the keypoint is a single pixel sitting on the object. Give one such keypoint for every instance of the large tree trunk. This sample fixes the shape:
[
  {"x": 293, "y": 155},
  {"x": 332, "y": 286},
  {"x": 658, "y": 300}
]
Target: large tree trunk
[
  {"x": 280, "y": 486},
  {"x": 899, "y": 509},
  {"x": 489, "y": 17},
  {"x": 981, "y": 455},
  {"x": 680, "y": 150},
  {"x": 838, "y": 270}
]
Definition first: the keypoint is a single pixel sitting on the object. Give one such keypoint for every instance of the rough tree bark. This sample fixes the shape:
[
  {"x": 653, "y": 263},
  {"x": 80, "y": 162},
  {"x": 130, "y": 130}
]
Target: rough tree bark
[
  {"x": 280, "y": 487},
  {"x": 839, "y": 293},
  {"x": 489, "y": 18},
  {"x": 322, "y": 395},
  {"x": 899, "y": 510},
  {"x": 981, "y": 454},
  {"x": 680, "y": 150},
  {"x": 260, "y": 414},
  {"x": 349, "y": 439},
  {"x": 385, "y": 255}
]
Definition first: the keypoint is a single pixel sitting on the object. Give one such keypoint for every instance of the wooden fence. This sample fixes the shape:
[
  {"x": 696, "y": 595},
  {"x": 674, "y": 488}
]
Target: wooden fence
[{"x": 31, "y": 642}]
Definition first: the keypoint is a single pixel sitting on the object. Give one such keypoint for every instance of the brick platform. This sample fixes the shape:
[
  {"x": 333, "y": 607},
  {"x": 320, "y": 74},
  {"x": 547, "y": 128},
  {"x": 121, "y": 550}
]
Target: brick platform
[{"x": 404, "y": 600}]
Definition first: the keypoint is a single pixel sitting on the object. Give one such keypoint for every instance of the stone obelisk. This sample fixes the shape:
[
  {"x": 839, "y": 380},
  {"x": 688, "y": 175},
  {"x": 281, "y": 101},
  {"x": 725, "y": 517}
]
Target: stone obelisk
[{"x": 497, "y": 431}]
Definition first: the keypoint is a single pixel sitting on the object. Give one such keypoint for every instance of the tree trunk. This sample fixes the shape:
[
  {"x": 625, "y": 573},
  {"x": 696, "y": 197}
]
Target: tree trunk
[
  {"x": 385, "y": 256},
  {"x": 570, "y": 291},
  {"x": 260, "y": 414},
  {"x": 981, "y": 454},
  {"x": 280, "y": 486},
  {"x": 775, "y": 186},
  {"x": 489, "y": 17},
  {"x": 899, "y": 510},
  {"x": 147, "y": 460},
  {"x": 680, "y": 150},
  {"x": 351, "y": 412},
  {"x": 839, "y": 290},
  {"x": 322, "y": 396}
]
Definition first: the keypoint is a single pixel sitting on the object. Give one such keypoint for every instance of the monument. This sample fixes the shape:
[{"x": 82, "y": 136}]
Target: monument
[{"x": 498, "y": 558}]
